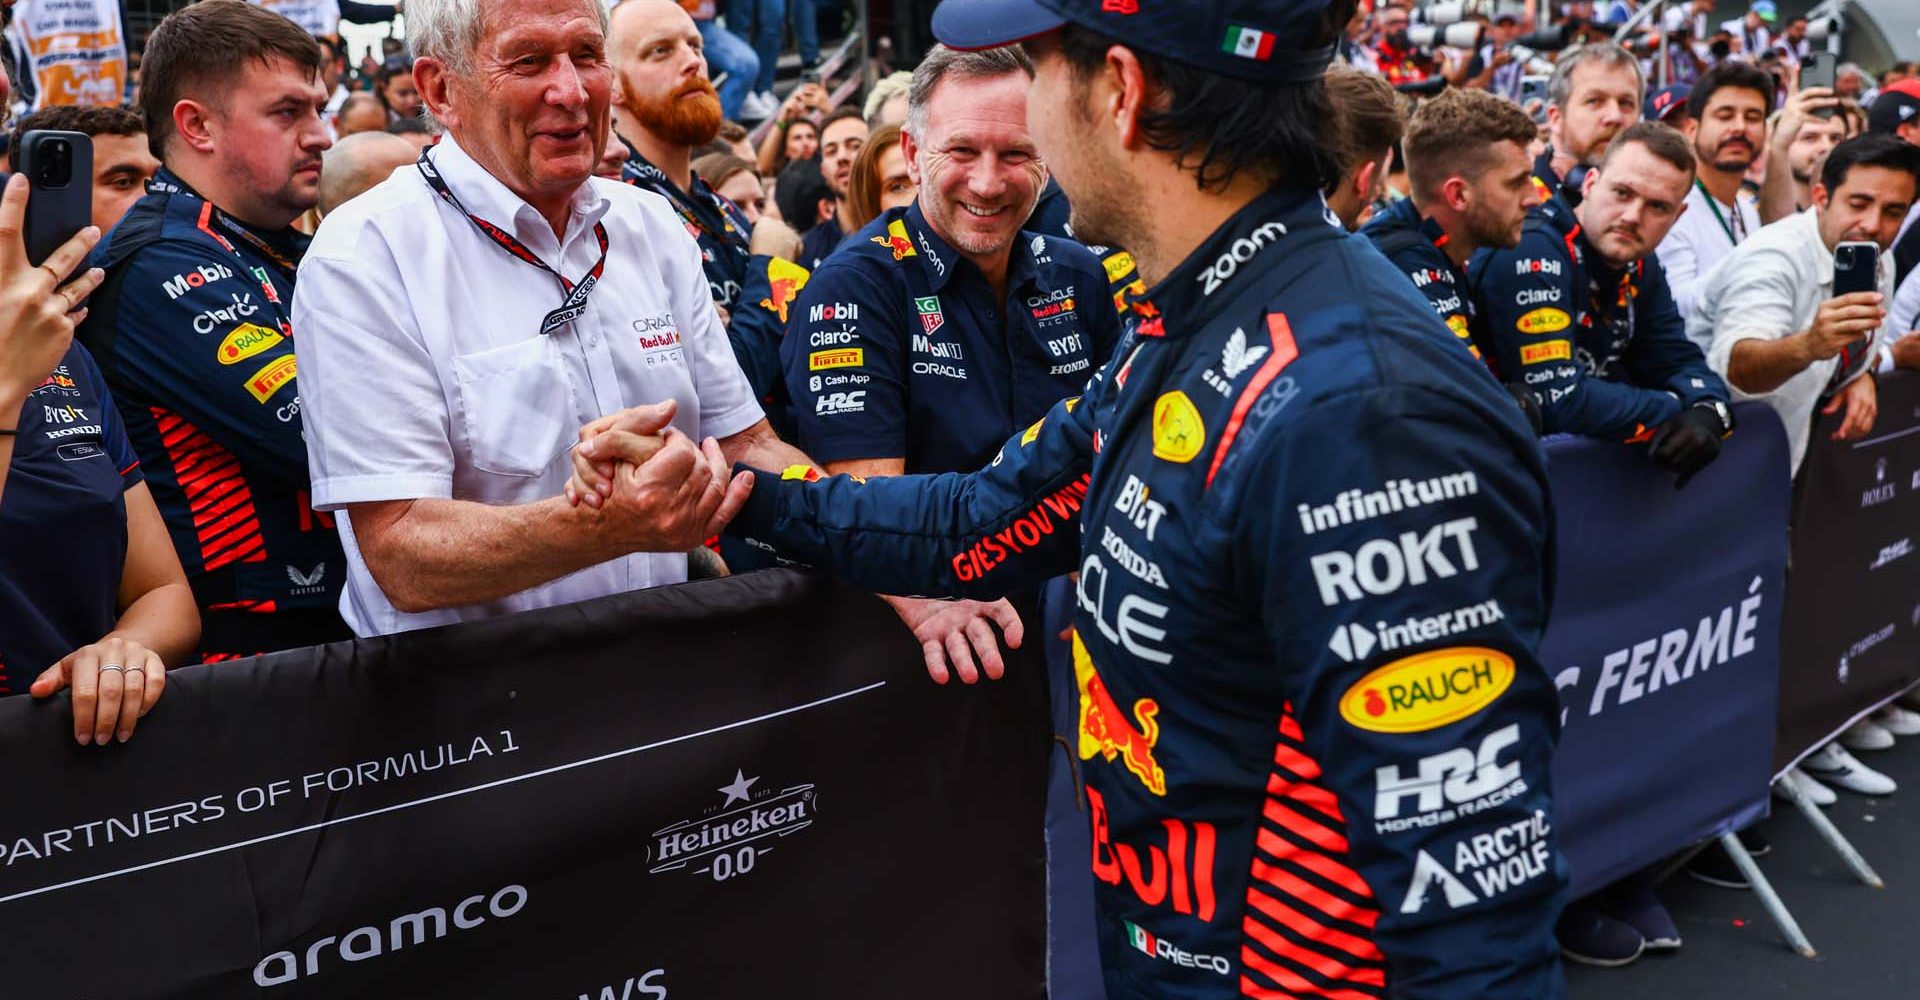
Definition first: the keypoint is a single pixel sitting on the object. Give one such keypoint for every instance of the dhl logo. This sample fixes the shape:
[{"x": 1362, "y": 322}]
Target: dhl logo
[{"x": 1106, "y": 731}]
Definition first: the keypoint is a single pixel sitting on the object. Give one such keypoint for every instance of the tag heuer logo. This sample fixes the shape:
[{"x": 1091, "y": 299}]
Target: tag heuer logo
[
  {"x": 931, "y": 318},
  {"x": 730, "y": 838}
]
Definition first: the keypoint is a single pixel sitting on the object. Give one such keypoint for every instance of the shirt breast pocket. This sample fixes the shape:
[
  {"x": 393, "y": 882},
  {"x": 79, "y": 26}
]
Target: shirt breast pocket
[{"x": 516, "y": 406}]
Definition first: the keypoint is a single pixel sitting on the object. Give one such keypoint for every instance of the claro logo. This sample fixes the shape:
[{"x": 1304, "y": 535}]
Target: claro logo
[{"x": 362, "y": 943}]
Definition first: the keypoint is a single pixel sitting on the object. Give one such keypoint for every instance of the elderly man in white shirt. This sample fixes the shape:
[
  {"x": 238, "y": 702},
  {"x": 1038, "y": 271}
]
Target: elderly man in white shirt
[
  {"x": 464, "y": 324},
  {"x": 1767, "y": 315}
]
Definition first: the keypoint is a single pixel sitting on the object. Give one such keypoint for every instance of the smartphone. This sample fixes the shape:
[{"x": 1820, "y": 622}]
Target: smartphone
[
  {"x": 1856, "y": 268},
  {"x": 1819, "y": 70},
  {"x": 59, "y": 166},
  {"x": 810, "y": 76}
]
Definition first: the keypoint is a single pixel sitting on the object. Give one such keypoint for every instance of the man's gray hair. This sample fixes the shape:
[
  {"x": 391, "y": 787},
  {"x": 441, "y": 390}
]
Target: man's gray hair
[
  {"x": 450, "y": 30},
  {"x": 943, "y": 62},
  {"x": 1604, "y": 54}
]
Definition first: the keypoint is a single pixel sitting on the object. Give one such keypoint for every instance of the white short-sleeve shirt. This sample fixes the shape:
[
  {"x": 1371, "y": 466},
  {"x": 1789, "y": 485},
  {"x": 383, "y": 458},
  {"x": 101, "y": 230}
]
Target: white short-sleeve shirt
[
  {"x": 1769, "y": 288},
  {"x": 423, "y": 372}
]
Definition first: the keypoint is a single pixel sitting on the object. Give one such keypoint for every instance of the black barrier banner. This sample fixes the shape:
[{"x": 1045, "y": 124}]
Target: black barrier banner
[
  {"x": 744, "y": 788},
  {"x": 1853, "y": 606},
  {"x": 1664, "y": 642}
]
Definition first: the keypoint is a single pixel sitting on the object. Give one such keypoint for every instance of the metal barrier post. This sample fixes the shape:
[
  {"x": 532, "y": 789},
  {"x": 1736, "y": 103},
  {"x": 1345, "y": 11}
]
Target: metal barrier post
[
  {"x": 1829, "y": 833},
  {"x": 1789, "y": 928}
]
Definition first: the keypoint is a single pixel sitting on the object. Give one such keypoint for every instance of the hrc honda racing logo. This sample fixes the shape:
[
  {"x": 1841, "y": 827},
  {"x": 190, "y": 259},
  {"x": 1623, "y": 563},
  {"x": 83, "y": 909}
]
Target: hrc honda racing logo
[{"x": 729, "y": 839}]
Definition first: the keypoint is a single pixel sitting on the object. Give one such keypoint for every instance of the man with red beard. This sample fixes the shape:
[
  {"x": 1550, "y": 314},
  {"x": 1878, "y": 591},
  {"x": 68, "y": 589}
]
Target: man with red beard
[
  {"x": 663, "y": 108},
  {"x": 1727, "y": 114}
]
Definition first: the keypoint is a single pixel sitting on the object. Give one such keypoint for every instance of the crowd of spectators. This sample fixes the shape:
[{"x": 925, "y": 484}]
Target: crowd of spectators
[{"x": 1662, "y": 205}]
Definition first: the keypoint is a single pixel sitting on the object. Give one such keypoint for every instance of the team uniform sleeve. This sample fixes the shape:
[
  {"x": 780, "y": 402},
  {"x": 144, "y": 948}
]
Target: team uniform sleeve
[
  {"x": 760, "y": 319},
  {"x": 1661, "y": 354},
  {"x": 231, "y": 378},
  {"x": 1437, "y": 751},
  {"x": 1528, "y": 316},
  {"x": 979, "y": 535},
  {"x": 845, "y": 358},
  {"x": 113, "y": 429},
  {"x": 728, "y": 404}
]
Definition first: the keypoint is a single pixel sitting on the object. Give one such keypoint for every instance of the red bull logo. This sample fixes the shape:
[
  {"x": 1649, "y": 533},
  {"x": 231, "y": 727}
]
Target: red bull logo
[
  {"x": 785, "y": 279},
  {"x": 1106, "y": 731},
  {"x": 896, "y": 240}
]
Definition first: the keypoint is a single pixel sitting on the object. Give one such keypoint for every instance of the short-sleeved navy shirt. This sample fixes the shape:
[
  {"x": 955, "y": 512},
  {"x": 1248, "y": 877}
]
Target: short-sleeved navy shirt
[
  {"x": 897, "y": 347},
  {"x": 63, "y": 521}
]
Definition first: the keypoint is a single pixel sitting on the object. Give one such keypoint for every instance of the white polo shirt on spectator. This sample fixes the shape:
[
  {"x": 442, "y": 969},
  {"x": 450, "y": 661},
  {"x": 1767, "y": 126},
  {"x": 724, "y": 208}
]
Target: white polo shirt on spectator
[
  {"x": 1702, "y": 237},
  {"x": 1769, "y": 288},
  {"x": 424, "y": 374},
  {"x": 1904, "y": 317}
]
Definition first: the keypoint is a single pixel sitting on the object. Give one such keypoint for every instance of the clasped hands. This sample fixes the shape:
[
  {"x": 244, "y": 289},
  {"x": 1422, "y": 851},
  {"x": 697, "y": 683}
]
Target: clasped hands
[{"x": 654, "y": 489}]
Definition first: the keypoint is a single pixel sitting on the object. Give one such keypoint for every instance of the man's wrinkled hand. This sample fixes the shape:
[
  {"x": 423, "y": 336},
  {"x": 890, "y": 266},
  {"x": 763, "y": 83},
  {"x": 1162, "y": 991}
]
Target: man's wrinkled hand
[
  {"x": 675, "y": 500},
  {"x": 631, "y": 436},
  {"x": 953, "y": 633}
]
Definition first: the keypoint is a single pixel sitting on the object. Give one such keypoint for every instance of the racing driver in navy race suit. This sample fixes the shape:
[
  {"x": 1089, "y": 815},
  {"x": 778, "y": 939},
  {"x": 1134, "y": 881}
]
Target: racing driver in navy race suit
[{"x": 1312, "y": 537}]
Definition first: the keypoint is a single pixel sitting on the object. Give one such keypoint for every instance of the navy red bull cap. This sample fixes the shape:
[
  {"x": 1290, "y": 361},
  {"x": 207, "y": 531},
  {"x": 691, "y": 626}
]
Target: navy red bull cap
[
  {"x": 1253, "y": 40},
  {"x": 1662, "y": 103}
]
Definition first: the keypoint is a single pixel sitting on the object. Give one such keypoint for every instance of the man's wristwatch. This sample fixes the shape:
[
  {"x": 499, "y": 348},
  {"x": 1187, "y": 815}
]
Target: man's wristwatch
[{"x": 1721, "y": 410}]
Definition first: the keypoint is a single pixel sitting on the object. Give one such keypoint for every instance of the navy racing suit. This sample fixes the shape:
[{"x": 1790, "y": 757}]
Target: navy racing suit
[
  {"x": 1414, "y": 245},
  {"x": 192, "y": 329},
  {"x": 1313, "y": 545},
  {"x": 1604, "y": 351}
]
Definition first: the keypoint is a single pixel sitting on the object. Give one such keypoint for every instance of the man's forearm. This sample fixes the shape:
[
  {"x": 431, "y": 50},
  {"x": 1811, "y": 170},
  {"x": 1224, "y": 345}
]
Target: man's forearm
[
  {"x": 429, "y": 554},
  {"x": 1758, "y": 366},
  {"x": 1776, "y": 192}
]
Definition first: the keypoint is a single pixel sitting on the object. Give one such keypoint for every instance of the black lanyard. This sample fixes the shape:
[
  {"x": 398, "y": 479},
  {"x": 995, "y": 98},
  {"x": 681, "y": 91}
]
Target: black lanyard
[{"x": 575, "y": 303}]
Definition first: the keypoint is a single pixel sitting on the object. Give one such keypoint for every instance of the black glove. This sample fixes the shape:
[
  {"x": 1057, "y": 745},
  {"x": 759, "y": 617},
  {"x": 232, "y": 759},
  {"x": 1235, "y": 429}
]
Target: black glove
[
  {"x": 1688, "y": 442},
  {"x": 1529, "y": 404}
]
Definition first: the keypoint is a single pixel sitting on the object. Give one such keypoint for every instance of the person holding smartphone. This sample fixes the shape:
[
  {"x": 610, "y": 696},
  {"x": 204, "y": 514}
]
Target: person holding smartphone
[{"x": 92, "y": 596}]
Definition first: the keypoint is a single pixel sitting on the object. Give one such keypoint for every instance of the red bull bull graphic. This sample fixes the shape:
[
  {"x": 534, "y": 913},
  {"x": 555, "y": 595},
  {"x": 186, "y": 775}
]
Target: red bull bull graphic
[
  {"x": 1105, "y": 730},
  {"x": 785, "y": 279},
  {"x": 896, "y": 240}
]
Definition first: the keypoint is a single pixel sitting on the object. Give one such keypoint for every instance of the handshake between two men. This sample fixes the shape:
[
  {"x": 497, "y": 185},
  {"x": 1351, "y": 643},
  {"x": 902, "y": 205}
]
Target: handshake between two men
[{"x": 665, "y": 493}]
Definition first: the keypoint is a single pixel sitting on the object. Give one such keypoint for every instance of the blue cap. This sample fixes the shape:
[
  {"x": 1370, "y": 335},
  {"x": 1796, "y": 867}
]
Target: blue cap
[
  {"x": 1662, "y": 103},
  {"x": 1767, "y": 11},
  {"x": 1245, "y": 39}
]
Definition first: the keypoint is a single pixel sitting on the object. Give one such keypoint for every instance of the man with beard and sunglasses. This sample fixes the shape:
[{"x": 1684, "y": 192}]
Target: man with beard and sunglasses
[
  {"x": 192, "y": 326},
  {"x": 1580, "y": 314},
  {"x": 664, "y": 108},
  {"x": 1727, "y": 122}
]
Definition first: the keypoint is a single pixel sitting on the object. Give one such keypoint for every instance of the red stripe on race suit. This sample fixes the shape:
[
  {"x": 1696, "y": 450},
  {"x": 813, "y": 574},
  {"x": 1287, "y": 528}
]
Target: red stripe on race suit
[
  {"x": 1284, "y": 351},
  {"x": 1300, "y": 985},
  {"x": 1297, "y": 889},
  {"x": 1300, "y": 923},
  {"x": 219, "y": 500},
  {"x": 1301, "y": 955}
]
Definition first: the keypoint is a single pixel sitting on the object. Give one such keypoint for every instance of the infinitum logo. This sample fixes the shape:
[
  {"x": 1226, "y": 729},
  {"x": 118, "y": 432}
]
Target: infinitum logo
[{"x": 362, "y": 943}]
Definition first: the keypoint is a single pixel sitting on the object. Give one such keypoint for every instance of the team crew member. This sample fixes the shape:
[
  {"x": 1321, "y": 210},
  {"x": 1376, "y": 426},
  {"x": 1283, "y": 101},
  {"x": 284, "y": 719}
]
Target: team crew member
[
  {"x": 842, "y": 136},
  {"x": 192, "y": 327},
  {"x": 1727, "y": 124},
  {"x": 1053, "y": 216},
  {"x": 1581, "y": 315},
  {"x": 1370, "y": 126},
  {"x": 92, "y": 596},
  {"x": 666, "y": 108},
  {"x": 1290, "y": 450},
  {"x": 1594, "y": 93},
  {"x": 1471, "y": 188},
  {"x": 943, "y": 327},
  {"x": 122, "y": 164}
]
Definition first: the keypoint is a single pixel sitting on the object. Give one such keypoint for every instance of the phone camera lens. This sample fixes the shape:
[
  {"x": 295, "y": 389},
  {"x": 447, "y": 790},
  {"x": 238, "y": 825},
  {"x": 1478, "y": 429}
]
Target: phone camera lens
[{"x": 58, "y": 166}]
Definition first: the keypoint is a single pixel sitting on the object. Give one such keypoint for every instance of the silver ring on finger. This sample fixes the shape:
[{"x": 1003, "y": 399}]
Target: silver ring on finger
[
  {"x": 142, "y": 671},
  {"x": 104, "y": 667}
]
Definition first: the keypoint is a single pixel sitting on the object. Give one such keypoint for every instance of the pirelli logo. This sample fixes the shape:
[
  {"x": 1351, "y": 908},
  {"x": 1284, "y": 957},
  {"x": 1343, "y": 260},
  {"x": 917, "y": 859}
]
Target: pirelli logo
[
  {"x": 1552, "y": 350},
  {"x": 851, "y": 357},
  {"x": 267, "y": 381}
]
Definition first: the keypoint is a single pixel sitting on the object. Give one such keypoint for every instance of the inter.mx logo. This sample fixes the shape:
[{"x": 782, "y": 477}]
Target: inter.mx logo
[{"x": 729, "y": 839}]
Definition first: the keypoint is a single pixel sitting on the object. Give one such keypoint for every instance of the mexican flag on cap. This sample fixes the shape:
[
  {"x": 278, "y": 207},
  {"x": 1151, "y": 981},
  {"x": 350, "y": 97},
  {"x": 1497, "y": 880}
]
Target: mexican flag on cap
[{"x": 1248, "y": 43}]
